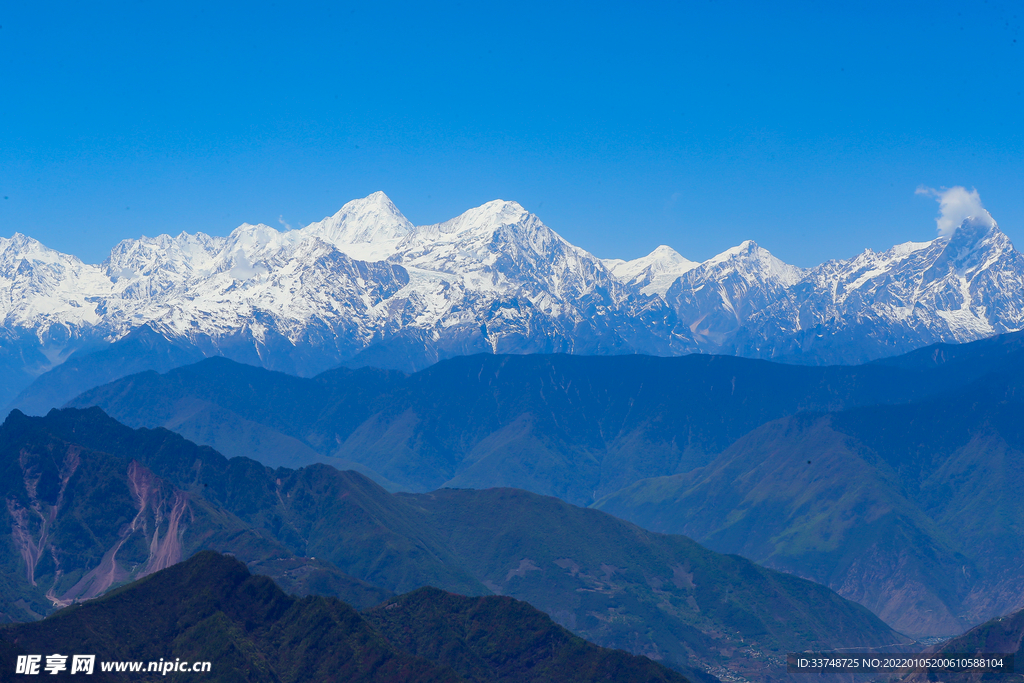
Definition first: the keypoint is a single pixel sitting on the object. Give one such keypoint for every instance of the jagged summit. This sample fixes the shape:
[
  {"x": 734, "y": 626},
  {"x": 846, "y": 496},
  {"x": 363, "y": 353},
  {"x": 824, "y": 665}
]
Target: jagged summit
[
  {"x": 753, "y": 262},
  {"x": 494, "y": 278},
  {"x": 974, "y": 234},
  {"x": 21, "y": 247},
  {"x": 654, "y": 273},
  {"x": 16, "y": 241},
  {"x": 484, "y": 219},
  {"x": 367, "y": 229}
]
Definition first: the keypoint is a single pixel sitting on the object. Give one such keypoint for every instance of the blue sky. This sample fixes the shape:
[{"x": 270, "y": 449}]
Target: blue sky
[{"x": 804, "y": 127}]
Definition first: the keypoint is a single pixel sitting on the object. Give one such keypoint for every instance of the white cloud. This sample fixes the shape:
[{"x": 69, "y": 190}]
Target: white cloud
[
  {"x": 956, "y": 205},
  {"x": 282, "y": 221}
]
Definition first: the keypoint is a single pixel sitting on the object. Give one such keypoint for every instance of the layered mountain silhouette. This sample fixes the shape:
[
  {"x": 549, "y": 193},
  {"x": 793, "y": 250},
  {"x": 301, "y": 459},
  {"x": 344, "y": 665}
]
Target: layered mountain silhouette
[
  {"x": 570, "y": 426},
  {"x": 893, "y": 483},
  {"x": 94, "y": 503}
]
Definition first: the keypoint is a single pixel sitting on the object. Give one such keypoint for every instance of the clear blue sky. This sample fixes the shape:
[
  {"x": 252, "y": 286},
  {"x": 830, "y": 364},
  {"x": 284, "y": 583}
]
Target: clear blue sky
[{"x": 804, "y": 126}]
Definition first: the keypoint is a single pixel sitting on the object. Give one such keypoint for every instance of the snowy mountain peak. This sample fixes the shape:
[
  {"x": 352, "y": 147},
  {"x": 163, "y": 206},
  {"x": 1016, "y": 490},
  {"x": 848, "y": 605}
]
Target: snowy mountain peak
[
  {"x": 663, "y": 251},
  {"x": 976, "y": 243},
  {"x": 498, "y": 278},
  {"x": 16, "y": 241},
  {"x": 654, "y": 273},
  {"x": 250, "y": 235},
  {"x": 145, "y": 256},
  {"x": 741, "y": 250},
  {"x": 753, "y": 262},
  {"x": 20, "y": 251},
  {"x": 482, "y": 219},
  {"x": 977, "y": 231},
  {"x": 367, "y": 229},
  {"x": 23, "y": 244}
]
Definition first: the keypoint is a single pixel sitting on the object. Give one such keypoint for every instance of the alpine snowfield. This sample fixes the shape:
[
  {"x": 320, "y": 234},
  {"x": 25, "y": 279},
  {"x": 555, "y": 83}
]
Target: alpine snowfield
[{"x": 366, "y": 286}]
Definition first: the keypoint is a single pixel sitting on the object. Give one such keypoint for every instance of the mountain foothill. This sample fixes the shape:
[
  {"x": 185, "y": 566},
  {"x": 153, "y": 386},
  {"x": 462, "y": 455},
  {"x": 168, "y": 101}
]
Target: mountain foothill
[
  {"x": 894, "y": 483},
  {"x": 248, "y": 629},
  {"x": 105, "y": 501}
]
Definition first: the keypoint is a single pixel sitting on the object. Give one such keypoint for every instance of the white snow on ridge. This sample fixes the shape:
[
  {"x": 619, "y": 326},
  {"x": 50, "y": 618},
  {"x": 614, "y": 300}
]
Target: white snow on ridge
[
  {"x": 748, "y": 258},
  {"x": 367, "y": 229},
  {"x": 41, "y": 287},
  {"x": 654, "y": 273},
  {"x": 367, "y": 273}
]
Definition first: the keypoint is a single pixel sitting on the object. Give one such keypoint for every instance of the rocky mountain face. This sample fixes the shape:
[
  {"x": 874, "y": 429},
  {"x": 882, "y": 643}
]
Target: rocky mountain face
[
  {"x": 92, "y": 503},
  {"x": 81, "y": 521},
  {"x": 367, "y": 287}
]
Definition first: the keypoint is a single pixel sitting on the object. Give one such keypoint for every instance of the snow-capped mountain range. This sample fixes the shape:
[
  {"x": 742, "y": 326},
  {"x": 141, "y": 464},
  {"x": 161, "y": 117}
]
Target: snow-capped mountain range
[{"x": 366, "y": 286}]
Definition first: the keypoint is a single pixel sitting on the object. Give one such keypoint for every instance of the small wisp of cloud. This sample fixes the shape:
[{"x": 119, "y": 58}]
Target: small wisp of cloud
[
  {"x": 957, "y": 204},
  {"x": 282, "y": 221}
]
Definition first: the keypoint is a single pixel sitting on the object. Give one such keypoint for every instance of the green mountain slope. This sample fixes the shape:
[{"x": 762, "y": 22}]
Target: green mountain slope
[
  {"x": 315, "y": 512},
  {"x": 80, "y": 521},
  {"x": 603, "y": 578},
  {"x": 613, "y": 583},
  {"x": 913, "y": 510},
  {"x": 498, "y": 638},
  {"x": 211, "y": 609}
]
